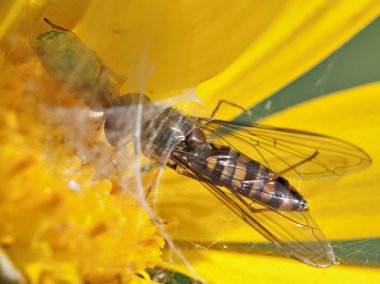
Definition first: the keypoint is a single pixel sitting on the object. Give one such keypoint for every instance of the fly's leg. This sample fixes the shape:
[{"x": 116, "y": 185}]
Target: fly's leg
[
  {"x": 153, "y": 184},
  {"x": 293, "y": 167},
  {"x": 99, "y": 122},
  {"x": 156, "y": 219},
  {"x": 248, "y": 112},
  {"x": 54, "y": 26}
]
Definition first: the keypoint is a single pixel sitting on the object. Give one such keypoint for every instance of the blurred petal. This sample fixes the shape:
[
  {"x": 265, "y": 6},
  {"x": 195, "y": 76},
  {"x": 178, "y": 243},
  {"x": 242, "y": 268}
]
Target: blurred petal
[
  {"x": 164, "y": 48},
  {"x": 23, "y": 23},
  {"x": 228, "y": 267},
  {"x": 26, "y": 15},
  {"x": 65, "y": 13},
  {"x": 341, "y": 210},
  {"x": 9, "y": 10},
  {"x": 295, "y": 40}
]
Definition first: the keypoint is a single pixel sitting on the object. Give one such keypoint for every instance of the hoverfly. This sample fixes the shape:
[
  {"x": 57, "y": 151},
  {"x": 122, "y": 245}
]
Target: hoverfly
[{"x": 244, "y": 165}]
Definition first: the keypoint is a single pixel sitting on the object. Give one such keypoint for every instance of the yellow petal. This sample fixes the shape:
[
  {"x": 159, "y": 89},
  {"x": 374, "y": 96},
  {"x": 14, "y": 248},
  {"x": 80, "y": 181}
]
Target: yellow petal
[
  {"x": 228, "y": 267},
  {"x": 164, "y": 48},
  {"x": 9, "y": 10},
  {"x": 300, "y": 35},
  {"x": 61, "y": 215},
  {"x": 26, "y": 15},
  {"x": 345, "y": 208},
  {"x": 23, "y": 22}
]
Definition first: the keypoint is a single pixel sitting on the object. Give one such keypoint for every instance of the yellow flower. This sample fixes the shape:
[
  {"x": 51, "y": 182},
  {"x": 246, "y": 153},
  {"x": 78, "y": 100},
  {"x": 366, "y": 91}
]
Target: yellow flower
[
  {"x": 66, "y": 213},
  {"x": 66, "y": 216}
]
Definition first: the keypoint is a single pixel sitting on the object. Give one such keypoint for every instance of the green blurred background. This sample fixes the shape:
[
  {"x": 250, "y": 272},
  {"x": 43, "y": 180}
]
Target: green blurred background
[{"x": 355, "y": 63}]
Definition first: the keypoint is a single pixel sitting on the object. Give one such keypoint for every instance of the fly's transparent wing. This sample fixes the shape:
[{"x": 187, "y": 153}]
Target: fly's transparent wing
[
  {"x": 295, "y": 232},
  {"x": 292, "y": 153}
]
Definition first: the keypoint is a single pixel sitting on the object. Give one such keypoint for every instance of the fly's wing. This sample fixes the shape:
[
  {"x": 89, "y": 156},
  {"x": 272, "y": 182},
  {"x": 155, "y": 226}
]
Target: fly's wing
[
  {"x": 292, "y": 153},
  {"x": 294, "y": 232}
]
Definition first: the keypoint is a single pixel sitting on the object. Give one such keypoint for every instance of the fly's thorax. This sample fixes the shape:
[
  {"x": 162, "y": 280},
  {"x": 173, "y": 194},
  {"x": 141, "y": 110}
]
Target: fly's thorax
[
  {"x": 159, "y": 128},
  {"x": 195, "y": 139},
  {"x": 162, "y": 131}
]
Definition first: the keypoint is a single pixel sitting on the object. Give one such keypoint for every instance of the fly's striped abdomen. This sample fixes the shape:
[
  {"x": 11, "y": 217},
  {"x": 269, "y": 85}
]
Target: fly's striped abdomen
[{"x": 223, "y": 166}]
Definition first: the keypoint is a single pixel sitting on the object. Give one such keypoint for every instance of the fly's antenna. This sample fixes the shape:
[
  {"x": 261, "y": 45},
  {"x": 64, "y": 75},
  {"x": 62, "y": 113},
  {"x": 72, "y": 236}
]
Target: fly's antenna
[{"x": 54, "y": 26}]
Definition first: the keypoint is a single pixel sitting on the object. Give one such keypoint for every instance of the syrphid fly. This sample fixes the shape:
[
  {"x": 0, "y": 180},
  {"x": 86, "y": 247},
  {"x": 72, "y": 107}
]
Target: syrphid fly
[{"x": 245, "y": 165}]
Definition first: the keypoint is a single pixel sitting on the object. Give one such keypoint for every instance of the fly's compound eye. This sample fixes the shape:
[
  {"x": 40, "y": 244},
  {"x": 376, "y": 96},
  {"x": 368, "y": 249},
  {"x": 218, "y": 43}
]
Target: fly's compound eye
[
  {"x": 120, "y": 119},
  {"x": 118, "y": 125}
]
